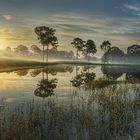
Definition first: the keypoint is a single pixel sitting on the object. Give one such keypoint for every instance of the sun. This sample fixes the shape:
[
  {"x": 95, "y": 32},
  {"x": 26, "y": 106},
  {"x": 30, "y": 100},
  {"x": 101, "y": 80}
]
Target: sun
[{"x": 3, "y": 44}]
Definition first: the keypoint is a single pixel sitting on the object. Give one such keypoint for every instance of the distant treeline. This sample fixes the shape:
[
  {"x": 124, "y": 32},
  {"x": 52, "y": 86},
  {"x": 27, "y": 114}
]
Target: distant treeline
[
  {"x": 116, "y": 55},
  {"x": 85, "y": 48},
  {"x": 35, "y": 51}
]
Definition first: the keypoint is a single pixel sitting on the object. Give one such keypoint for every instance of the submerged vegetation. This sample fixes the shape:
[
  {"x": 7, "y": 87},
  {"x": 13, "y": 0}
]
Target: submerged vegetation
[{"x": 109, "y": 113}]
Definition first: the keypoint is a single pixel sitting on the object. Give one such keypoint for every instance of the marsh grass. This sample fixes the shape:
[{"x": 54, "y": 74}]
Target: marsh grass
[
  {"x": 109, "y": 113},
  {"x": 99, "y": 83}
]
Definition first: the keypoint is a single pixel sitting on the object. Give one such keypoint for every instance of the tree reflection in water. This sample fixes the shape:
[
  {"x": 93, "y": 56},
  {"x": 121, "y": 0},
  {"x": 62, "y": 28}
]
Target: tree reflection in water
[
  {"x": 46, "y": 86},
  {"x": 133, "y": 78},
  {"x": 22, "y": 72},
  {"x": 112, "y": 73},
  {"x": 35, "y": 72},
  {"x": 77, "y": 81},
  {"x": 53, "y": 70},
  {"x": 83, "y": 79},
  {"x": 87, "y": 68}
]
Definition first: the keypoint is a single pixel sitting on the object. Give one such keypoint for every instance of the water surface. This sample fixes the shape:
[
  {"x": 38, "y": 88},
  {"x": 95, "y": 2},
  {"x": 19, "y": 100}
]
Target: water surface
[{"x": 21, "y": 84}]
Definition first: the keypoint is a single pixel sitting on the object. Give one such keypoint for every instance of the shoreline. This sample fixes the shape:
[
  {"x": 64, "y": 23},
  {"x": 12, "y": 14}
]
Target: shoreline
[{"x": 13, "y": 64}]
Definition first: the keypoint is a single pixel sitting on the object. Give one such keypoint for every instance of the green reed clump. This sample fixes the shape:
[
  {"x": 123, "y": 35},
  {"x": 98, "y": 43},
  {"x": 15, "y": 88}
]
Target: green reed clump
[{"x": 109, "y": 113}]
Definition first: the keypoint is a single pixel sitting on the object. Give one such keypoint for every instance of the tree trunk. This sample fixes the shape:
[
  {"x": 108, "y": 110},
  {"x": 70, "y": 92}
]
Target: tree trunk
[
  {"x": 47, "y": 53},
  {"x": 43, "y": 73},
  {"x": 43, "y": 53},
  {"x": 47, "y": 74},
  {"x": 77, "y": 55}
]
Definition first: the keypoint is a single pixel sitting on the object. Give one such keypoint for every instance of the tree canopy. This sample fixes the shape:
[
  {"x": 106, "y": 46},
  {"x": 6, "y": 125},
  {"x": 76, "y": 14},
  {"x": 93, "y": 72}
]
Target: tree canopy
[
  {"x": 46, "y": 36},
  {"x": 90, "y": 47},
  {"x": 21, "y": 49},
  {"x": 114, "y": 54},
  {"x": 78, "y": 43},
  {"x": 35, "y": 49},
  {"x": 105, "y": 46}
]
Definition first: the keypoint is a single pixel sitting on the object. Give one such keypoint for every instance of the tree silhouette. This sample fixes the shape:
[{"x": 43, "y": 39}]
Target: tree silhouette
[
  {"x": 22, "y": 72},
  {"x": 78, "y": 43},
  {"x": 105, "y": 46},
  {"x": 35, "y": 72},
  {"x": 35, "y": 49},
  {"x": 90, "y": 48},
  {"x": 21, "y": 49},
  {"x": 133, "y": 49},
  {"x": 112, "y": 72},
  {"x": 46, "y": 37},
  {"x": 83, "y": 79},
  {"x": 77, "y": 81},
  {"x": 115, "y": 55},
  {"x": 45, "y": 88},
  {"x": 133, "y": 53}
]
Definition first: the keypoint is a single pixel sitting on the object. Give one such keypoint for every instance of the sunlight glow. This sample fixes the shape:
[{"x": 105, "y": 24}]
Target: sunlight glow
[{"x": 3, "y": 44}]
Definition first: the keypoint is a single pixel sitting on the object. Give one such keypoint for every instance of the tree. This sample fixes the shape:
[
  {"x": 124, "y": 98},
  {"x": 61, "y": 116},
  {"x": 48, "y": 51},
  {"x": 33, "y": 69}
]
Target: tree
[
  {"x": 90, "y": 48},
  {"x": 46, "y": 37},
  {"x": 21, "y": 49},
  {"x": 114, "y": 54},
  {"x": 78, "y": 43},
  {"x": 35, "y": 49},
  {"x": 133, "y": 49},
  {"x": 105, "y": 46},
  {"x": 133, "y": 53}
]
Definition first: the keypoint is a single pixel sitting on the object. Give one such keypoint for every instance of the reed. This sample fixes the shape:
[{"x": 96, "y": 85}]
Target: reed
[{"x": 109, "y": 113}]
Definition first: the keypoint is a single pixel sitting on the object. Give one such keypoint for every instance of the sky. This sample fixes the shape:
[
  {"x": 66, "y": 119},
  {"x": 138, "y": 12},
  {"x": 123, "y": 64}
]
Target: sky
[{"x": 115, "y": 20}]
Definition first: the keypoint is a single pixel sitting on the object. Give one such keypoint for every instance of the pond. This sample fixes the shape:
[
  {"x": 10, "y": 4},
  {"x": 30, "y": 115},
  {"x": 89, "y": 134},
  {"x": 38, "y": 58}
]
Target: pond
[{"x": 74, "y": 102}]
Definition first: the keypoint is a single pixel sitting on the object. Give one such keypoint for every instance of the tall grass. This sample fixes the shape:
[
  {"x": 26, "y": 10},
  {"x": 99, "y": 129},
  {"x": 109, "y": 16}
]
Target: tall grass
[{"x": 109, "y": 113}]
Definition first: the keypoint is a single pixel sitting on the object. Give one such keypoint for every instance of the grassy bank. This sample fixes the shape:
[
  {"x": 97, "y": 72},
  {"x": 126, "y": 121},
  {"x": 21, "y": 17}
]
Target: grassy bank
[
  {"x": 8, "y": 65},
  {"x": 111, "y": 113},
  {"x": 6, "y": 62}
]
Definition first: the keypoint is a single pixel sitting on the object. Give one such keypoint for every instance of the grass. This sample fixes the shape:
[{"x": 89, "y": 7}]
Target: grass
[
  {"x": 100, "y": 83},
  {"x": 110, "y": 113}
]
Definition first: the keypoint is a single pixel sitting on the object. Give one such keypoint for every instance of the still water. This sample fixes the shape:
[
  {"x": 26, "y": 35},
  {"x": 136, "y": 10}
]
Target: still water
[
  {"x": 62, "y": 80},
  {"x": 70, "y": 102}
]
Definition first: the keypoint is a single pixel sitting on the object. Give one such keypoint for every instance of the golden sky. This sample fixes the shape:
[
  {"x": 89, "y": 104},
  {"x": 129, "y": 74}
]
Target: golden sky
[{"x": 98, "y": 20}]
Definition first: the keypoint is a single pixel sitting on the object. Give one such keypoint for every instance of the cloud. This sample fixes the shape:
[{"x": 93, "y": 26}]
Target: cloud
[
  {"x": 132, "y": 7},
  {"x": 7, "y": 17},
  {"x": 121, "y": 32}
]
